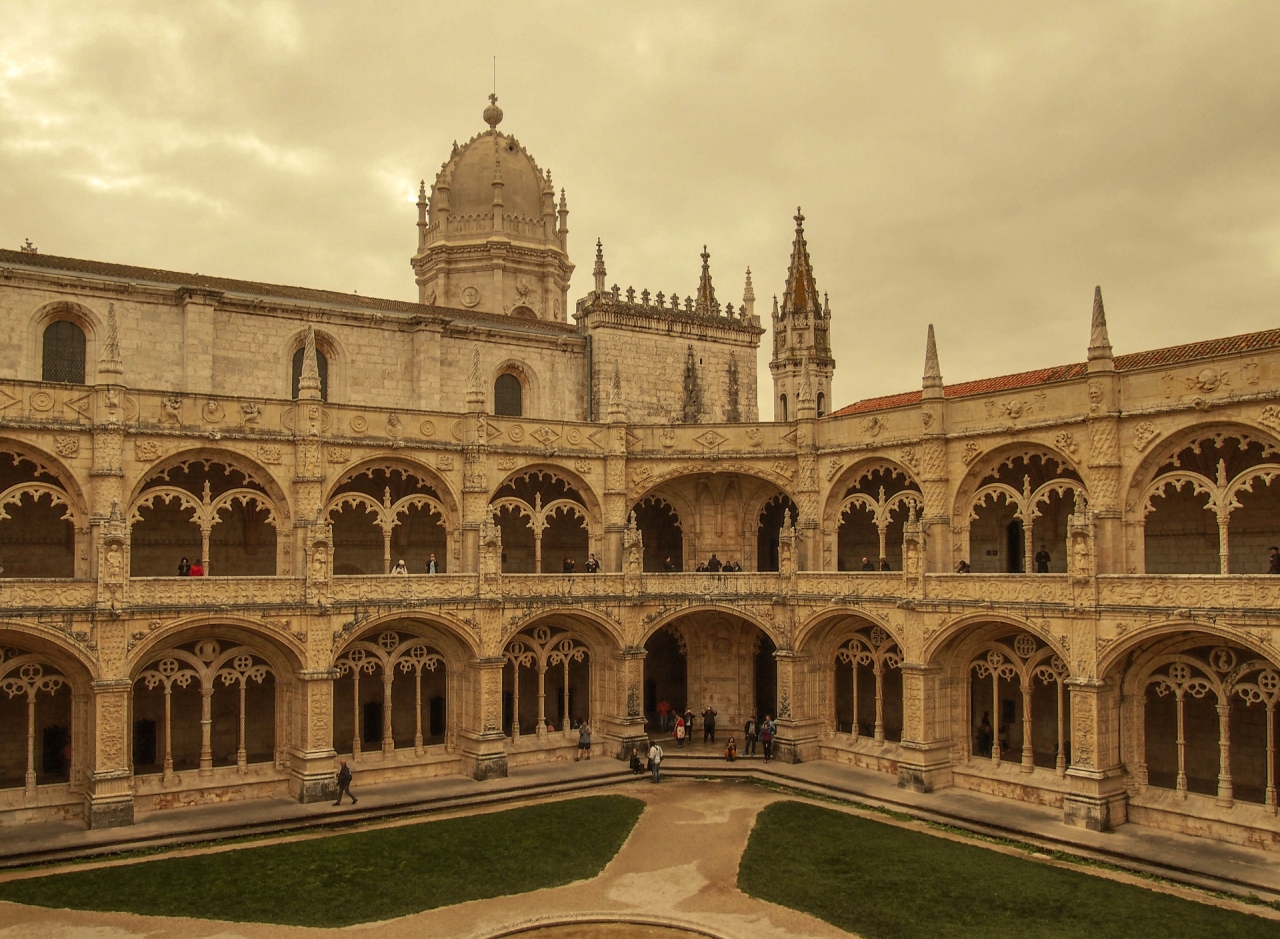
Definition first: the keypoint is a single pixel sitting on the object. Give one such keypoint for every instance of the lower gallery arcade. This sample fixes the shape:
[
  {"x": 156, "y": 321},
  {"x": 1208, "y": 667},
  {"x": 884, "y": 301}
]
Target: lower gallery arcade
[{"x": 224, "y": 711}]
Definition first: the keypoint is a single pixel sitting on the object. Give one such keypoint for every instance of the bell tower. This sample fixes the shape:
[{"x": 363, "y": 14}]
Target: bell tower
[{"x": 801, "y": 338}]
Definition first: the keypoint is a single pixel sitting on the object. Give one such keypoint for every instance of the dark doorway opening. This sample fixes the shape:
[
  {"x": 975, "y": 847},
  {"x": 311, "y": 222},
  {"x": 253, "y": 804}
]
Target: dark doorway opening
[
  {"x": 665, "y": 675},
  {"x": 1016, "y": 547}
]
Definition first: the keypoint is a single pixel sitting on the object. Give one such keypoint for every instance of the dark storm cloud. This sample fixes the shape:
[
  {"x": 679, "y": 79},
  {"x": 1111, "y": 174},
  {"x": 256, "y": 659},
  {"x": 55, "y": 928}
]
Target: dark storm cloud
[{"x": 979, "y": 166}]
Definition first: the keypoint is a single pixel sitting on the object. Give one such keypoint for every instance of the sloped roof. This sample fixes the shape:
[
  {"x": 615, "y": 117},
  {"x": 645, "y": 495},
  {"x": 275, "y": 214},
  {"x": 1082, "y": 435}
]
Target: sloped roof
[
  {"x": 330, "y": 298},
  {"x": 1170, "y": 355}
]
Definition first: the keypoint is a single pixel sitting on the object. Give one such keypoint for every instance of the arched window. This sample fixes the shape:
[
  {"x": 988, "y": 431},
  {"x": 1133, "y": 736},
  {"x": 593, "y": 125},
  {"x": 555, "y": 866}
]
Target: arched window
[
  {"x": 322, "y": 364},
  {"x": 508, "y": 396},
  {"x": 822, "y": 404},
  {"x": 63, "y": 353},
  {"x": 782, "y": 408}
]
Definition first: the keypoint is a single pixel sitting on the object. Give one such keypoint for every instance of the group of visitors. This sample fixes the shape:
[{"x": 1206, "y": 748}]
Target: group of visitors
[
  {"x": 433, "y": 567},
  {"x": 869, "y": 565},
  {"x": 761, "y": 733},
  {"x": 592, "y": 566},
  {"x": 713, "y": 565},
  {"x": 187, "y": 569}
]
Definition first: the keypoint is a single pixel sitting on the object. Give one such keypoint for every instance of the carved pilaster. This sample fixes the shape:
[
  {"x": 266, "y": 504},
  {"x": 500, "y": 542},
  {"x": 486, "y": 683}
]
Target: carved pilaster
[
  {"x": 483, "y": 745},
  {"x": 311, "y": 760},
  {"x": 109, "y": 793},
  {"x": 1097, "y": 800},
  {"x": 926, "y": 752}
]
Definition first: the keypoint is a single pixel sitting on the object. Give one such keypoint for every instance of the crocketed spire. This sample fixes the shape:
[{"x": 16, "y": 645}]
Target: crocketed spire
[
  {"x": 1099, "y": 342},
  {"x": 706, "y": 304},
  {"x": 801, "y": 294},
  {"x": 932, "y": 372},
  {"x": 309, "y": 379}
]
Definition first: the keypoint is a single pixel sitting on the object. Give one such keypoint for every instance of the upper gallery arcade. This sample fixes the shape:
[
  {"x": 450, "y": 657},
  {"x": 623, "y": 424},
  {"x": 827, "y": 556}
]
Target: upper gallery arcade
[{"x": 1111, "y": 650}]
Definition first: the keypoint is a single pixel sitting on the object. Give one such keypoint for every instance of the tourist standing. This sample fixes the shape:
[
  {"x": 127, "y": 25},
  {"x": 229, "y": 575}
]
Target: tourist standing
[
  {"x": 767, "y": 729},
  {"x": 592, "y": 566},
  {"x": 432, "y": 566},
  {"x": 569, "y": 565},
  {"x": 984, "y": 737},
  {"x": 1275, "y": 561},
  {"x": 655, "y": 761},
  {"x": 713, "y": 564},
  {"x": 681, "y": 732},
  {"x": 884, "y": 564},
  {"x": 584, "y": 741},
  {"x": 709, "y": 724},
  {"x": 750, "y": 734},
  {"x": 184, "y": 566},
  {"x": 664, "y": 716},
  {"x": 867, "y": 565},
  {"x": 668, "y": 565},
  {"x": 1042, "y": 560},
  {"x": 400, "y": 567},
  {"x": 688, "y": 722},
  {"x": 197, "y": 569},
  {"x": 344, "y": 783}
]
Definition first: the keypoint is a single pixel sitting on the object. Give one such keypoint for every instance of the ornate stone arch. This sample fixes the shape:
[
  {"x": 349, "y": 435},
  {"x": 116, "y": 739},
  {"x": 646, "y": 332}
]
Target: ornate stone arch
[
  {"x": 47, "y": 464},
  {"x": 953, "y": 636},
  {"x": 454, "y": 638},
  {"x": 252, "y": 469},
  {"x": 820, "y": 631},
  {"x": 77, "y": 664},
  {"x": 643, "y": 485},
  {"x": 575, "y": 481},
  {"x": 851, "y": 475},
  {"x": 668, "y": 617},
  {"x": 84, "y": 317},
  {"x": 286, "y": 653},
  {"x": 602, "y": 633}
]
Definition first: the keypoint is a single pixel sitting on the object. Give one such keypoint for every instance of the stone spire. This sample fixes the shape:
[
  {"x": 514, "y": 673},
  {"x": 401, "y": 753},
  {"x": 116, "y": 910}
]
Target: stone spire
[
  {"x": 748, "y": 298},
  {"x": 706, "y": 304},
  {"x": 599, "y": 270},
  {"x": 309, "y": 380},
  {"x": 422, "y": 214},
  {"x": 1099, "y": 342},
  {"x": 801, "y": 293},
  {"x": 475, "y": 388},
  {"x": 110, "y": 364},
  {"x": 932, "y": 373},
  {"x": 617, "y": 408}
]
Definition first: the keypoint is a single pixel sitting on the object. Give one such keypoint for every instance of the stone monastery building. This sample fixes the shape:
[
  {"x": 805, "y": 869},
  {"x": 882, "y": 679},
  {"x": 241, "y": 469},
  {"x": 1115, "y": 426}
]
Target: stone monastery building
[{"x": 300, "y": 443}]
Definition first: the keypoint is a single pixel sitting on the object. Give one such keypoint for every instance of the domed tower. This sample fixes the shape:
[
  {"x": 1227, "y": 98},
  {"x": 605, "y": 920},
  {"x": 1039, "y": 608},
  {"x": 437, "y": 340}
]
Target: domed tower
[{"x": 491, "y": 238}]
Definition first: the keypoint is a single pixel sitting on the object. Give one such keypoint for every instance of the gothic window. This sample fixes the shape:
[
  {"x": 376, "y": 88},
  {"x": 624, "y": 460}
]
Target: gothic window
[
  {"x": 322, "y": 364},
  {"x": 63, "y": 353},
  {"x": 822, "y": 404},
  {"x": 508, "y": 396},
  {"x": 782, "y": 410}
]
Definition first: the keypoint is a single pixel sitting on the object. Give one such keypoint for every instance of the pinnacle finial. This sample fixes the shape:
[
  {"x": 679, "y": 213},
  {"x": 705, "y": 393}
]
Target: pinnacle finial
[
  {"x": 309, "y": 380},
  {"x": 799, "y": 218},
  {"x": 110, "y": 363},
  {"x": 1099, "y": 341},
  {"x": 493, "y": 114},
  {"x": 617, "y": 408},
  {"x": 932, "y": 371},
  {"x": 705, "y": 304},
  {"x": 748, "y": 292},
  {"x": 599, "y": 270}
]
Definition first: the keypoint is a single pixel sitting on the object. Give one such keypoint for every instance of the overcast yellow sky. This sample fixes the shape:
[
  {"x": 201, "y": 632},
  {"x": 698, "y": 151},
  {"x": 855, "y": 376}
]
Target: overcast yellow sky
[{"x": 976, "y": 165}]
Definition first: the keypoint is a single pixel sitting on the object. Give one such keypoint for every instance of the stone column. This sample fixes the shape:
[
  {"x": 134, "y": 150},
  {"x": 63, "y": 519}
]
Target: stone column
[
  {"x": 198, "y": 306},
  {"x": 615, "y": 475},
  {"x": 627, "y": 726},
  {"x": 109, "y": 789},
  {"x": 475, "y": 484},
  {"x": 797, "y": 738},
  {"x": 926, "y": 746},
  {"x": 311, "y": 769},
  {"x": 1097, "y": 799},
  {"x": 484, "y": 754}
]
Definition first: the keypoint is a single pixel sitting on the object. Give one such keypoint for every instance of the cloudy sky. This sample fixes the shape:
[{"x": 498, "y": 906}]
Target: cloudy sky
[{"x": 976, "y": 165}]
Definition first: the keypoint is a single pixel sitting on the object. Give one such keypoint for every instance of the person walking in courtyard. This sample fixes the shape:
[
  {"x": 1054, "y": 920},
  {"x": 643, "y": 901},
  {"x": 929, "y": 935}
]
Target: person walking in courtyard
[
  {"x": 655, "y": 761},
  {"x": 731, "y": 750},
  {"x": 432, "y": 566},
  {"x": 1275, "y": 561},
  {"x": 1042, "y": 560},
  {"x": 681, "y": 732},
  {"x": 636, "y": 766},
  {"x": 344, "y": 783},
  {"x": 709, "y": 724},
  {"x": 767, "y": 729},
  {"x": 750, "y": 734},
  {"x": 688, "y": 723},
  {"x": 584, "y": 742}
]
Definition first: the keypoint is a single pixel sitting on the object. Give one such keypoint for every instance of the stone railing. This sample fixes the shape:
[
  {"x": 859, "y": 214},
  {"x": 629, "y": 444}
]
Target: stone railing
[
  {"x": 35, "y": 593},
  {"x": 1260, "y": 592},
  {"x": 215, "y": 591}
]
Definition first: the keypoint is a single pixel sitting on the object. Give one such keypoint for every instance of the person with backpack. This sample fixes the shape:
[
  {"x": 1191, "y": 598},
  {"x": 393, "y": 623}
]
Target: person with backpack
[
  {"x": 584, "y": 742},
  {"x": 767, "y": 729},
  {"x": 655, "y": 760},
  {"x": 344, "y": 783}
]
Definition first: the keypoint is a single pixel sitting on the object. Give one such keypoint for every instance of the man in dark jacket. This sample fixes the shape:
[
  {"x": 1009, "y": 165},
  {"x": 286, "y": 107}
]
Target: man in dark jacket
[
  {"x": 344, "y": 783},
  {"x": 709, "y": 724},
  {"x": 1275, "y": 561},
  {"x": 750, "y": 734},
  {"x": 714, "y": 565}
]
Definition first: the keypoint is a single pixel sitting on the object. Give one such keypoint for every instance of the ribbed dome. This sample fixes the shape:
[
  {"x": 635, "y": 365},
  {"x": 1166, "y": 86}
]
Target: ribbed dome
[{"x": 471, "y": 170}]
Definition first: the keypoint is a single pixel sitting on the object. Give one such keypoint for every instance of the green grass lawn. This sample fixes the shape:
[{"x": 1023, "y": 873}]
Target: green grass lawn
[
  {"x": 885, "y": 882},
  {"x": 359, "y": 877}
]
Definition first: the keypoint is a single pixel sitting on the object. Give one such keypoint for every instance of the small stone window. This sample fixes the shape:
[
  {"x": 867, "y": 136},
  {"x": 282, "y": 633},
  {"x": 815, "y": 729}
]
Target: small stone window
[
  {"x": 508, "y": 396},
  {"x": 822, "y": 404},
  {"x": 782, "y": 408},
  {"x": 322, "y": 365},
  {"x": 63, "y": 353}
]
